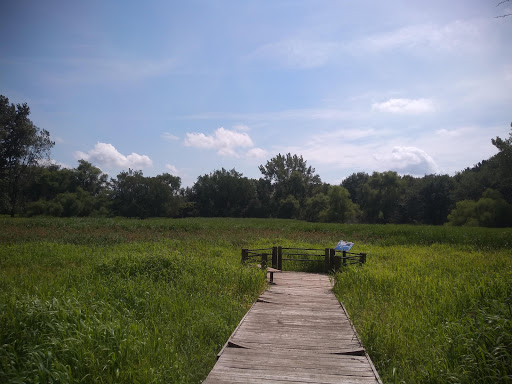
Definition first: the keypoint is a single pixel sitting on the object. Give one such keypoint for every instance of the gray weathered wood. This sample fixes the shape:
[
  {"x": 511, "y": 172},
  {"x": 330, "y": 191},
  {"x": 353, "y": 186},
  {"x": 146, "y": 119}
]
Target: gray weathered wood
[{"x": 297, "y": 332}]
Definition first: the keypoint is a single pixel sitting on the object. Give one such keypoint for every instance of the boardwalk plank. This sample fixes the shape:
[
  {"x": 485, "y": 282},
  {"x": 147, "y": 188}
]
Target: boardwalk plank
[{"x": 297, "y": 332}]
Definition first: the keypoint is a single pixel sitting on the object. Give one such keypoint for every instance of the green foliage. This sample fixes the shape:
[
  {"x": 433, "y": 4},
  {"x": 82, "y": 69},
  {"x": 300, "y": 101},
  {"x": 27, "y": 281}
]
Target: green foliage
[
  {"x": 491, "y": 210},
  {"x": 290, "y": 176},
  {"x": 315, "y": 206},
  {"x": 140, "y": 312},
  {"x": 134, "y": 195},
  {"x": 380, "y": 197},
  {"x": 289, "y": 208},
  {"x": 120, "y": 300},
  {"x": 435, "y": 314},
  {"x": 224, "y": 193},
  {"x": 22, "y": 146}
]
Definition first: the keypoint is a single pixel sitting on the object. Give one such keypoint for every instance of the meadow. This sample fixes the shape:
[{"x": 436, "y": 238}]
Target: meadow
[{"x": 153, "y": 301}]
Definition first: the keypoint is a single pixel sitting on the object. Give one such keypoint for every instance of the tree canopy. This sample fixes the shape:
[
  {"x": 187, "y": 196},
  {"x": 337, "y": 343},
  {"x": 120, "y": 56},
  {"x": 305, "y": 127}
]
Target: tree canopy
[{"x": 22, "y": 146}]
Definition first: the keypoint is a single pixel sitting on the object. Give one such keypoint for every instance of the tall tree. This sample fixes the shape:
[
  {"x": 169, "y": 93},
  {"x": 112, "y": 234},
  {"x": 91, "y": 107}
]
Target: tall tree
[
  {"x": 290, "y": 176},
  {"x": 22, "y": 147},
  {"x": 137, "y": 196},
  {"x": 380, "y": 197},
  {"x": 224, "y": 193}
]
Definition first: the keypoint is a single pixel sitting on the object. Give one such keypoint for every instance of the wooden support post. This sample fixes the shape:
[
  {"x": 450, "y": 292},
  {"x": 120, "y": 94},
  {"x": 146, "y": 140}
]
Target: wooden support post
[
  {"x": 327, "y": 263},
  {"x": 274, "y": 257},
  {"x": 264, "y": 260},
  {"x": 344, "y": 258},
  {"x": 363, "y": 258},
  {"x": 332, "y": 253},
  {"x": 280, "y": 258},
  {"x": 337, "y": 262},
  {"x": 245, "y": 254}
]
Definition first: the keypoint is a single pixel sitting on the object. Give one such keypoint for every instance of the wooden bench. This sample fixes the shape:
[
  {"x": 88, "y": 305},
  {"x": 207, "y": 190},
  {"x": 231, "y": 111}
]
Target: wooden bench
[{"x": 271, "y": 271}]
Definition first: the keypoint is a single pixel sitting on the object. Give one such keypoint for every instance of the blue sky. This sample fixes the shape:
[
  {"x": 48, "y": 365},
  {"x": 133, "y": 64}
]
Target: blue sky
[{"x": 187, "y": 87}]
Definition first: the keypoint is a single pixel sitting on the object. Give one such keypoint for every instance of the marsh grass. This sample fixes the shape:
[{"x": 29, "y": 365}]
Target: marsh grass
[
  {"x": 433, "y": 314},
  {"x": 141, "y": 312},
  {"x": 153, "y": 301}
]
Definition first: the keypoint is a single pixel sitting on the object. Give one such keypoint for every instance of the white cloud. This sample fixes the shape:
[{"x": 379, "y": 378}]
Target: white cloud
[
  {"x": 169, "y": 136},
  {"x": 107, "y": 155},
  {"x": 449, "y": 37},
  {"x": 410, "y": 160},
  {"x": 172, "y": 169},
  {"x": 405, "y": 106},
  {"x": 257, "y": 153},
  {"x": 223, "y": 140}
]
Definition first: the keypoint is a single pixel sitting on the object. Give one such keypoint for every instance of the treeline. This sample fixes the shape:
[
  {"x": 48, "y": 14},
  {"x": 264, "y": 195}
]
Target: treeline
[{"x": 288, "y": 188}]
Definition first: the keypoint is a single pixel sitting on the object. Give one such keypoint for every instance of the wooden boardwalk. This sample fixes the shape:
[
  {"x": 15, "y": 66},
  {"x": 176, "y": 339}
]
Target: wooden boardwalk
[{"x": 297, "y": 332}]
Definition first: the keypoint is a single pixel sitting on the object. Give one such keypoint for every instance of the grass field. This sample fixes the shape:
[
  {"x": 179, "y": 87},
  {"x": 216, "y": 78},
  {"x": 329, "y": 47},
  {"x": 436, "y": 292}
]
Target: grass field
[{"x": 153, "y": 301}]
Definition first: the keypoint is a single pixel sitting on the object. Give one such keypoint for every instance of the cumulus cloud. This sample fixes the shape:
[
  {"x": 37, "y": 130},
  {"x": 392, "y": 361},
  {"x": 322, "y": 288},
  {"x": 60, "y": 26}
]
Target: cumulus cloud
[
  {"x": 172, "y": 169},
  {"x": 223, "y": 140},
  {"x": 106, "y": 155},
  {"x": 405, "y": 106},
  {"x": 409, "y": 160},
  {"x": 257, "y": 153},
  {"x": 169, "y": 136}
]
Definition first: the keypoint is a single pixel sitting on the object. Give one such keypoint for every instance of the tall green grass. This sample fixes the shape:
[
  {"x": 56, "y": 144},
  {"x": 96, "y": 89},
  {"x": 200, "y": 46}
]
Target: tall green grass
[
  {"x": 434, "y": 314},
  {"x": 153, "y": 301},
  {"x": 141, "y": 312}
]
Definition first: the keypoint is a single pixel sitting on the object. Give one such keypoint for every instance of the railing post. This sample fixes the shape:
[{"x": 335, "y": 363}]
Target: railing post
[
  {"x": 344, "y": 258},
  {"x": 363, "y": 258},
  {"x": 337, "y": 262},
  {"x": 280, "y": 258},
  {"x": 264, "y": 260},
  {"x": 245, "y": 254},
  {"x": 274, "y": 257},
  {"x": 327, "y": 264},
  {"x": 332, "y": 254}
]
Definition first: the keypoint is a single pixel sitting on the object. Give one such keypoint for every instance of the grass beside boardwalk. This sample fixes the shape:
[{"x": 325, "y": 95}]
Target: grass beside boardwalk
[
  {"x": 130, "y": 313},
  {"x": 433, "y": 314},
  {"x": 153, "y": 301}
]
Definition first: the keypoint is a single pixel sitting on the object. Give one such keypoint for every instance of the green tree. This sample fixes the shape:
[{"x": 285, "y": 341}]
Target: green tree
[
  {"x": 314, "y": 207},
  {"x": 491, "y": 210},
  {"x": 134, "y": 195},
  {"x": 289, "y": 208},
  {"x": 380, "y": 197},
  {"x": 290, "y": 176},
  {"x": 22, "y": 147},
  {"x": 224, "y": 193},
  {"x": 341, "y": 209},
  {"x": 502, "y": 166},
  {"x": 90, "y": 178},
  {"x": 354, "y": 184}
]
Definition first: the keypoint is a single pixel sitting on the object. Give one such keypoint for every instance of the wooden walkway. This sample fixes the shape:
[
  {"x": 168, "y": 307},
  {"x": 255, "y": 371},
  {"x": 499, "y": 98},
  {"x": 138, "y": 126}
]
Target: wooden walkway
[{"x": 297, "y": 332}]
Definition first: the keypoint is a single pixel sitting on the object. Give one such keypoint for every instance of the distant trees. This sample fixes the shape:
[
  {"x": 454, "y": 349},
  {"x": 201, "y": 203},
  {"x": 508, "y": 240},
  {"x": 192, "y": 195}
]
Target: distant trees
[
  {"x": 491, "y": 210},
  {"x": 134, "y": 195},
  {"x": 289, "y": 188},
  {"x": 225, "y": 193},
  {"x": 292, "y": 181},
  {"x": 22, "y": 147}
]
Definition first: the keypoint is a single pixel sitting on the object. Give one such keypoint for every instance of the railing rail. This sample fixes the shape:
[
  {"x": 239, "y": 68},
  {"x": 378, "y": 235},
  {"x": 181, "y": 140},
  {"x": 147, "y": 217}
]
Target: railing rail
[{"x": 329, "y": 256}]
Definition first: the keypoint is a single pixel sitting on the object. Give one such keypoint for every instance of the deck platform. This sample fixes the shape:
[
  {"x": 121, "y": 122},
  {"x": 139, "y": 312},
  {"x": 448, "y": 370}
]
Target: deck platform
[{"x": 297, "y": 332}]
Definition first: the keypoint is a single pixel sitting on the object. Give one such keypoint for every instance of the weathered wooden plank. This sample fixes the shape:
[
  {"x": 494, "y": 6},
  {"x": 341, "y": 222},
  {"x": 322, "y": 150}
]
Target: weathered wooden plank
[{"x": 297, "y": 332}]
